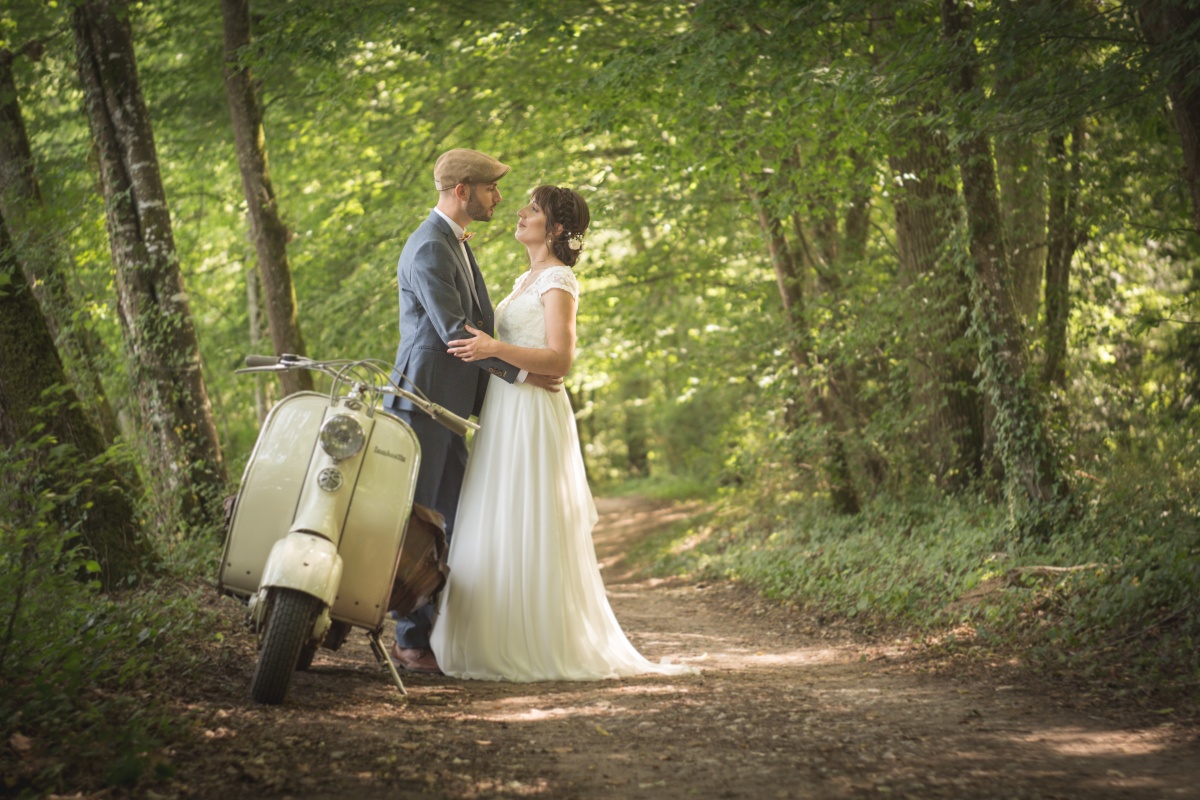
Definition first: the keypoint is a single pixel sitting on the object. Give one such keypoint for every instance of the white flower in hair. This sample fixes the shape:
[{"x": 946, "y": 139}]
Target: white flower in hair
[{"x": 575, "y": 241}]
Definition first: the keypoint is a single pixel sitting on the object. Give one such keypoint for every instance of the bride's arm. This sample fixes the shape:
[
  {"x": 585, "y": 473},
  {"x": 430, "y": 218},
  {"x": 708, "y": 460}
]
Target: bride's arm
[{"x": 553, "y": 359}]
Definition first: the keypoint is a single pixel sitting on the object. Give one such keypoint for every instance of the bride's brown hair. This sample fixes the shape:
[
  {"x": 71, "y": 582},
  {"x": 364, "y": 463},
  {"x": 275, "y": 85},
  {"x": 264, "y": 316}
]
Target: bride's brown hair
[{"x": 563, "y": 206}]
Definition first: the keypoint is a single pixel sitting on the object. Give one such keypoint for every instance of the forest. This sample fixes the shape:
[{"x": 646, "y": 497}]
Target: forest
[{"x": 905, "y": 291}]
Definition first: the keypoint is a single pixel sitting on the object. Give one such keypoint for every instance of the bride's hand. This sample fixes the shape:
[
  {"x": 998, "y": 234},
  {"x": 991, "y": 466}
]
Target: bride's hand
[{"x": 477, "y": 348}]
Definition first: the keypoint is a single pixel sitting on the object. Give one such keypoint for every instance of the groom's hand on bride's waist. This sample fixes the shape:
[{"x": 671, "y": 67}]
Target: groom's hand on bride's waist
[{"x": 547, "y": 382}]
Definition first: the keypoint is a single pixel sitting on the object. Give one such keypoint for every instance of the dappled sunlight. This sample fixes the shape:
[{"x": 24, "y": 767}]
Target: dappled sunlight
[
  {"x": 711, "y": 651},
  {"x": 1097, "y": 743},
  {"x": 591, "y": 700},
  {"x": 793, "y": 658},
  {"x": 540, "y": 714},
  {"x": 616, "y": 524}
]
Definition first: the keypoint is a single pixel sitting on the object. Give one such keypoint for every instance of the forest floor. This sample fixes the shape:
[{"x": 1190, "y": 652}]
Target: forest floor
[{"x": 784, "y": 707}]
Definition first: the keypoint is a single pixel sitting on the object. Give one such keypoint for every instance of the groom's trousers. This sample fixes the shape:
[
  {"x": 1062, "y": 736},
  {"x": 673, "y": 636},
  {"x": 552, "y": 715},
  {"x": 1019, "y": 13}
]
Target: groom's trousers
[{"x": 439, "y": 483}]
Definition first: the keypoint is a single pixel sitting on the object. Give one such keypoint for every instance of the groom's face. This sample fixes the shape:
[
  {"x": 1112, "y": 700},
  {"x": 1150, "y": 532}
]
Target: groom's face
[{"x": 482, "y": 200}]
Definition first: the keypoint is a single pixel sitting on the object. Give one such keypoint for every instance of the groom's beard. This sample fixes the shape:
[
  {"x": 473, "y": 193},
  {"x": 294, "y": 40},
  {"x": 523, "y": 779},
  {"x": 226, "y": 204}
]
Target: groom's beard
[{"x": 475, "y": 209}]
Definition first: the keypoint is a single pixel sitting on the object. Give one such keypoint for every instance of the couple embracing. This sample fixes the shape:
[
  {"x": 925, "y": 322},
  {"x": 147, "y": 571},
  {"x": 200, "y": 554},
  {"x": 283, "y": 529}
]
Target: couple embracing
[{"x": 524, "y": 600}]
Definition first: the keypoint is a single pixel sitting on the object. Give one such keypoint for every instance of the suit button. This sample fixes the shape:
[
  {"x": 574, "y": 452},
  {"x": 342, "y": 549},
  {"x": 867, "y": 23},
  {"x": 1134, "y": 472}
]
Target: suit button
[{"x": 479, "y": 324}]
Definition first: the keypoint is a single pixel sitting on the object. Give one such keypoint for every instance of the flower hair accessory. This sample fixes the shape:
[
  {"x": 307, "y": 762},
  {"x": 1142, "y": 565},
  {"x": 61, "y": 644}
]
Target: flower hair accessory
[{"x": 575, "y": 241}]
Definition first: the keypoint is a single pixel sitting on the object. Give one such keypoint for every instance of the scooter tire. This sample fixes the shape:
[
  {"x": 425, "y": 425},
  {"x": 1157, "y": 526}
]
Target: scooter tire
[{"x": 289, "y": 622}]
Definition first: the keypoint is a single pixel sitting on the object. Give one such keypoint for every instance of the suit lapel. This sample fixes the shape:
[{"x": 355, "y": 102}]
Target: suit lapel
[
  {"x": 464, "y": 265},
  {"x": 479, "y": 289},
  {"x": 473, "y": 277}
]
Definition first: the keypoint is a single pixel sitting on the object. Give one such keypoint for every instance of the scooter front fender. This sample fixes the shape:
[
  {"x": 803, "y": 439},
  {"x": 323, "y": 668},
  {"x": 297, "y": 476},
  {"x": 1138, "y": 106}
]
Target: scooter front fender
[{"x": 306, "y": 563}]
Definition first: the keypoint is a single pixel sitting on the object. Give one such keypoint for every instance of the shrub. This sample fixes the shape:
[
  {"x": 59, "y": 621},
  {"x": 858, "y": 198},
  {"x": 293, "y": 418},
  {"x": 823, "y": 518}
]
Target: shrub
[{"x": 75, "y": 663}]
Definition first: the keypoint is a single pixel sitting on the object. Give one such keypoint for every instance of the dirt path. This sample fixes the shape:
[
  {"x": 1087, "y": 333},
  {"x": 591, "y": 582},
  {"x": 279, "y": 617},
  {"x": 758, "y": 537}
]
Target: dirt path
[{"x": 781, "y": 710}]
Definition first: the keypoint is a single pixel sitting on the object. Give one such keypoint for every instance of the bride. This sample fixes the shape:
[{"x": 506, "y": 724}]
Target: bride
[{"x": 524, "y": 601}]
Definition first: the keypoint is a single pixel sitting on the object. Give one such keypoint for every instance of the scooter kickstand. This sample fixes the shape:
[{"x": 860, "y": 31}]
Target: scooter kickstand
[{"x": 382, "y": 656}]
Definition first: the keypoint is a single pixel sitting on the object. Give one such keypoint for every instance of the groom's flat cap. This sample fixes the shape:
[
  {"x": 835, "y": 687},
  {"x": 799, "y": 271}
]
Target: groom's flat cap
[{"x": 466, "y": 166}]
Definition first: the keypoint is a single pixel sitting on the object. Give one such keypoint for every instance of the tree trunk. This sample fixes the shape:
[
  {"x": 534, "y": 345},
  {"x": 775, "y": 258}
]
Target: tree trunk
[
  {"x": 261, "y": 406},
  {"x": 637, "y": 448},
  {"x": 1023, "y": 205},
  {"x": 152, "y": 305},
  {"x": 787, "y": 276},
  {"x": 30, "y": 370},
  {"x": 1164, "y": 22},
  {"x": 42, "y": 258},
  {"x": 267, "y": 230},
  {"x": 925, "y": 203},
  {"x": 858, "y": 215},
  {"x": 1019, "y": 168},
  {"x": 1064, "y": 239},
  {"x": 1031, "y": 469}
]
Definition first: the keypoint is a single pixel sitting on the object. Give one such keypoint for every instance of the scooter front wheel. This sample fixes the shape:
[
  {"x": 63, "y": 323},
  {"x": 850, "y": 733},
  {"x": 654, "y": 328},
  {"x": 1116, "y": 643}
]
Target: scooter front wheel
[
  {"x": 307, "y": 654},
  {"x": 290, "y": 617}
]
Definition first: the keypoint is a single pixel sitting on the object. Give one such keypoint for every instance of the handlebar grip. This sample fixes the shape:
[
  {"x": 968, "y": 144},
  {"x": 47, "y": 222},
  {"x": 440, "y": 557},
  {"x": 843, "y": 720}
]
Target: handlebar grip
[
  {"x": 261, "y": 361},
  {"x": 453, "y": 423},
  {"x": 448, "y": 419}
]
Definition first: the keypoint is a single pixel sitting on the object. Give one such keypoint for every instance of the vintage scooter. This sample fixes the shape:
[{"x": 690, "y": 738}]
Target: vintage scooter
[{"x": 323, "y": 535}]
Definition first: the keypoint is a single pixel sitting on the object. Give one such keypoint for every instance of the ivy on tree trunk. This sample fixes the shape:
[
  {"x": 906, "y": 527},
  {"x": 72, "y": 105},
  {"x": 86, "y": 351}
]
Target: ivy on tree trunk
[
  {"x": 152, "y": 304},
  {"x": 1033, "y": 475}
]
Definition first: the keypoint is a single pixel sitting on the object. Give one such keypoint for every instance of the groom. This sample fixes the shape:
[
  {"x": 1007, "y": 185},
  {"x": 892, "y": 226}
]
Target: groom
[{"x": 441, "y": 291}]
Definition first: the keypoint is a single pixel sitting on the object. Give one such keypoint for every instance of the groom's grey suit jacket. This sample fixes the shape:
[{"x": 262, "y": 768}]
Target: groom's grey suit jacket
[{"x": 439, "y": 294}]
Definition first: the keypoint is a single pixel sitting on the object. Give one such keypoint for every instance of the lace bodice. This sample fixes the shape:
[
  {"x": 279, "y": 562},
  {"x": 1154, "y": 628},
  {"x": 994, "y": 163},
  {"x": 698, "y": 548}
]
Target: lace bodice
[{"x": 520, "y": 319}]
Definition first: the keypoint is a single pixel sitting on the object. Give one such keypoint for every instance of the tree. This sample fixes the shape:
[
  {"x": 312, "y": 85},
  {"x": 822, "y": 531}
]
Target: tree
[
  {"x": 1172, "y": 28},
  {"x": 1064, "y": 238},
  {"x": 40, "y": 253},
  {"x": 152, "y": 302},
  {"x": 814, "y": 398},
  {"x": 926, "y": 205},
  {"x": 1026, "y": 450},
  {"x": 1020, "y": 176},
  {"x": 31, "y": 376},
  {"x": 267, "y": 230}
]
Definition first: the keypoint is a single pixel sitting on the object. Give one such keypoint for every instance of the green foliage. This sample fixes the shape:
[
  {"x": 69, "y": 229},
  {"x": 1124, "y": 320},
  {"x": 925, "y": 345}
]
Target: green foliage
[{"x": 77, "y": 665}]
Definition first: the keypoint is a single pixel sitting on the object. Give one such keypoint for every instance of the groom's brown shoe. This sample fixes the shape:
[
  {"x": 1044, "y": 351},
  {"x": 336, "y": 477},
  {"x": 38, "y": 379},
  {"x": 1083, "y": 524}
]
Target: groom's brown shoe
[{"x": 415, "y": 659}]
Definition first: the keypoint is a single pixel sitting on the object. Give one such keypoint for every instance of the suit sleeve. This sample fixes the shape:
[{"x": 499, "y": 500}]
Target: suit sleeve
[{"x": 433, "y": 283}]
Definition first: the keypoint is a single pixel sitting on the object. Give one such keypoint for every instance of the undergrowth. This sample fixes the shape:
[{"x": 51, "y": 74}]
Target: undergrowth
[{"x": 81, "y": 669}]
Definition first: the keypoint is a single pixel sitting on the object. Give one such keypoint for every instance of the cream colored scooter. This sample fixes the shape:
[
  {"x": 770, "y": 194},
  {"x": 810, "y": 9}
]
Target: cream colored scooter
[{"x": 323, "y": 535}]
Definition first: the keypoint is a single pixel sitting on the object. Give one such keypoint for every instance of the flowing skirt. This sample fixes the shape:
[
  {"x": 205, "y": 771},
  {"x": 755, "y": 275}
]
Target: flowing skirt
[{"x": 524, "y": 600}]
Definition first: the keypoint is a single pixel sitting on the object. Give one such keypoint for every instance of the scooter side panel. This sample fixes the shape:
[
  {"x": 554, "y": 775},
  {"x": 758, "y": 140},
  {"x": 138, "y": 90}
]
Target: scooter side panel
[
  {"x": 271, "y": 485},
  {"x": 376, "y": 523}
]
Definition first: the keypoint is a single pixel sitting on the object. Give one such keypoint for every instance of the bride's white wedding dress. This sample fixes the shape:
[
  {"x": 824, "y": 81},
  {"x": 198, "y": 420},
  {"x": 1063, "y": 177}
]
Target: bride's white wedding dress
[{"x": 524, "y": 601}]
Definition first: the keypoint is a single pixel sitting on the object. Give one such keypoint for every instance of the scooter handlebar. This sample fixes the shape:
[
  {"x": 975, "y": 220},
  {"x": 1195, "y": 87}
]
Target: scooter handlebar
[
  {"x": 447, "y": 419},
  {"x": 453, "y": 422},
  {"x": 281, "y": 363}
]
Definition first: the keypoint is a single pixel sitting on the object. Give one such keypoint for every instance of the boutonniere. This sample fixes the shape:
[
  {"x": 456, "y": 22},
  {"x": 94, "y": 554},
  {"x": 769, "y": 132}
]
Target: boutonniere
[{"x": 466, "y": 237}]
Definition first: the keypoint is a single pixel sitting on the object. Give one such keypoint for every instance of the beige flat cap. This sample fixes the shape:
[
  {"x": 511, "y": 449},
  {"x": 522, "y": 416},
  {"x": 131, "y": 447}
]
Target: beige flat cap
[{"x": 466, "y": 166}]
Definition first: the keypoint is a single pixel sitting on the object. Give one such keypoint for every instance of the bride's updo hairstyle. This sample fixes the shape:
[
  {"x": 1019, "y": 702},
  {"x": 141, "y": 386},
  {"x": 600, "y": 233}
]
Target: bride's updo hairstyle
[{"x": 564, "y": 207}]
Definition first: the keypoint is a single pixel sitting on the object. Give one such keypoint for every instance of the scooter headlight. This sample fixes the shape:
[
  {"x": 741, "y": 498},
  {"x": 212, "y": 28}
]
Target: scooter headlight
[{"x": 342, "y": 437}]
